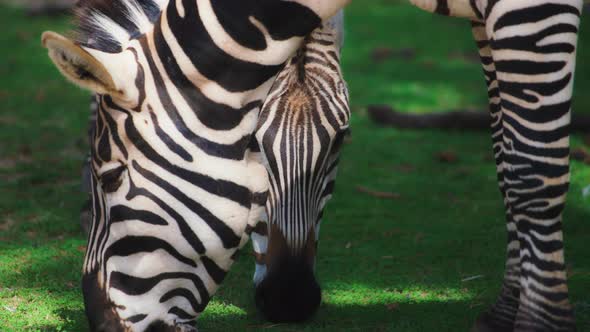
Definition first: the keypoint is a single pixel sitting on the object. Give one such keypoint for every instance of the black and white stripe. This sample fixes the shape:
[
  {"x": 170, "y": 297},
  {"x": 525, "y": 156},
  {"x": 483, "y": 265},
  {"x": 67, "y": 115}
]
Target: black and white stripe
[
  {"x": 300, "y": 131},
  {"x": 174, "y": 183},
  {"x": 529, "y": 72},
  {"x": 528, "y": 55}
]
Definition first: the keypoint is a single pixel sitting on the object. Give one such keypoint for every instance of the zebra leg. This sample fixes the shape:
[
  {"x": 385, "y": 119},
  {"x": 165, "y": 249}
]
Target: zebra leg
[
  {"x": 257, "y": 225},
  {"x": 259, "y": 236},
  {"x": 533, "y": 49},
  {"x": 500, "y": 317}
]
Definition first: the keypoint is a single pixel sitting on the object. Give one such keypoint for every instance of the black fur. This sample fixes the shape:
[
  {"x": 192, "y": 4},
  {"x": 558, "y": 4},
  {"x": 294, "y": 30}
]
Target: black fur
[
  {"x": 101, "y": 313},
  {"x": 289, "y": 292},
  {"x": 159, "y": 326}
]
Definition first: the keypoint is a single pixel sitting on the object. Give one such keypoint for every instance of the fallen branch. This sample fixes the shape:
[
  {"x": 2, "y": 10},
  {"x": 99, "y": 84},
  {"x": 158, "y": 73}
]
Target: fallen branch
[{"x": 469, "y": 120}]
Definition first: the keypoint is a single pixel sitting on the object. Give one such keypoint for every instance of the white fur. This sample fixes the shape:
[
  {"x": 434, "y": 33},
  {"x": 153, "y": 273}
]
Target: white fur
[{"x": 134, "y": 13}]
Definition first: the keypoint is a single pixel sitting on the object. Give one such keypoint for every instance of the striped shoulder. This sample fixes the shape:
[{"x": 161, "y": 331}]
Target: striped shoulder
[{"x": 108, "y": 25}]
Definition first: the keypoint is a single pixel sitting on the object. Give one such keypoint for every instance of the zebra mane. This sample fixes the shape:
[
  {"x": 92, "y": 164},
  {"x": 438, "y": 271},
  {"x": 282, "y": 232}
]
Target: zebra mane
[{"x": 108, "y": 25}]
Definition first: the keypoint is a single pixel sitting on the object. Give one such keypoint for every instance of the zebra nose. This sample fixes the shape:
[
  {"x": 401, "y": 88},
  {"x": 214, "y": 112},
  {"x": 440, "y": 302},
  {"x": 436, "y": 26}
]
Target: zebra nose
[{"x": 289, "y": 292}]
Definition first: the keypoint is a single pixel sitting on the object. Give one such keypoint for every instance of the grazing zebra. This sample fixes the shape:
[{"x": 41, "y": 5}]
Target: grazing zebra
[
  {"x": 300, "y": 130},
  {"x": 174, "y": 185},
  {"x": 527, "y": 50}
]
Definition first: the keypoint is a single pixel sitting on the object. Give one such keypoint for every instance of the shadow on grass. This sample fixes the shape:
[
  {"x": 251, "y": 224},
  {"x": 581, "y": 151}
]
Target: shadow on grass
[
  {"x": 426, "y": 316},
  {"x": 75, "y": 319}
]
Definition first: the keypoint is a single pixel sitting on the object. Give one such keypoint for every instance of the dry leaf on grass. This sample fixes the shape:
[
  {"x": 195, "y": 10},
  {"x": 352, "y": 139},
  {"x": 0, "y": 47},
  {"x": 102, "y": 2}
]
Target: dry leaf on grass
[
  {"x": 472, "y": 57},
  {"x": 392, "y": 306},
  {"x": 404, "y": 168},
  {"x": 6, "y": 224},
  {"x": 418, "y": 237},
  {"x": 378, "y": 194},
  {"x": 580, "y": 154},
  {"x": 382, "y": 53},
  {"x": 40, "y": 95},
  {"x": 446, "y": 156},
  {"x": 7, "y": 163}
]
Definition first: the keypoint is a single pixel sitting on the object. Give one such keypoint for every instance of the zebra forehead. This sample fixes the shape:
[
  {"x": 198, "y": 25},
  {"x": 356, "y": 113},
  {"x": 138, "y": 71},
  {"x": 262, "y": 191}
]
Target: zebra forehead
[{"x": 107, "y": 25}]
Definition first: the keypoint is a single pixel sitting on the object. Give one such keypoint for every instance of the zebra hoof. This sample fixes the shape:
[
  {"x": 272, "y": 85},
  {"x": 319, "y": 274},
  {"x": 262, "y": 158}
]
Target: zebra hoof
[
  {"x": 527, "y": 319},
  {"x": 485, "y": 323}
]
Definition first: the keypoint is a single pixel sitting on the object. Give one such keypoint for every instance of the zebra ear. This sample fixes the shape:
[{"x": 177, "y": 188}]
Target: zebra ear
[{"x": 77, "y": 65}]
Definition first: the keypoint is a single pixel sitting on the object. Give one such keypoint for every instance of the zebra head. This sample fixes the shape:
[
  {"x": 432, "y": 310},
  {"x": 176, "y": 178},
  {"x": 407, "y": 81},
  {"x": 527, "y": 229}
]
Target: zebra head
[
  {"x": 179, "y": 88},
  {"x": 300, "y": 131}
]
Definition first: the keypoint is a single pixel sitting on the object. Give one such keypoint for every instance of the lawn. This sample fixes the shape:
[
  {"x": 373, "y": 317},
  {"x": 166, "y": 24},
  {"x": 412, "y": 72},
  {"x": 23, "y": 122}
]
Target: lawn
[{"x": 400, "y": 264}]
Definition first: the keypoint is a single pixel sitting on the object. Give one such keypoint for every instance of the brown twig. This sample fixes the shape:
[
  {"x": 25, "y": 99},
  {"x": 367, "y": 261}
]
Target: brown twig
[{"x": 378, "y": 194}]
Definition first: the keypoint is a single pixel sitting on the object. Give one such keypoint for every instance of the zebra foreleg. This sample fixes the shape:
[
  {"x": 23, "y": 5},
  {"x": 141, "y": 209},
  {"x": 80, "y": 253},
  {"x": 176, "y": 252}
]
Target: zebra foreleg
[
  {"x": 501, "y": 316},
  {"x": 533, "y": 48},
  {"x": 257, "y": 223},
  {"x": 259, "y": 236}
]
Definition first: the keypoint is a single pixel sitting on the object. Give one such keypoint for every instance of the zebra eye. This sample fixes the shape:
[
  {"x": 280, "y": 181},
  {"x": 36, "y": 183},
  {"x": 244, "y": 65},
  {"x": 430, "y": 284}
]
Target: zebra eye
[
  {"x": 111, "y": 179},
  {"x": 337, "y": 143}
]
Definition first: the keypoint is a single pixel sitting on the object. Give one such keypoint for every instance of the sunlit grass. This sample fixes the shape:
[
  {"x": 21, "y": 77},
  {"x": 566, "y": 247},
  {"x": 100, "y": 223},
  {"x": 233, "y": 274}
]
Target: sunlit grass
[
  {"x": 21, "y": 310},
  {"x": 352, "y": 294}
]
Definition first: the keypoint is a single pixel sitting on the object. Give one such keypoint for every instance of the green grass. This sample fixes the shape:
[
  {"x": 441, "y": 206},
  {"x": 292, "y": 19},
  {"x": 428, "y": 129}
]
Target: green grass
[{"x": 385, "y": 265}]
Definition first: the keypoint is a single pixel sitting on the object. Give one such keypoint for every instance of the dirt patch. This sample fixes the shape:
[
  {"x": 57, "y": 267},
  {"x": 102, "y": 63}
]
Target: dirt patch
[{"x": 6, "y": 224}]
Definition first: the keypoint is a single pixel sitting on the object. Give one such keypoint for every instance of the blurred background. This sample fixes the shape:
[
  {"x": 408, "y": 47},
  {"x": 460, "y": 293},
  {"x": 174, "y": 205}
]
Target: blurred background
[{"x": 413, "y": 239}]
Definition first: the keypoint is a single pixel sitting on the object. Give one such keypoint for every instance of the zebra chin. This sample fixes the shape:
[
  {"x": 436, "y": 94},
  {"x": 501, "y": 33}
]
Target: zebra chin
[
  {"x": 100, "y": 312},
  {"x": 289, "y": 291}
]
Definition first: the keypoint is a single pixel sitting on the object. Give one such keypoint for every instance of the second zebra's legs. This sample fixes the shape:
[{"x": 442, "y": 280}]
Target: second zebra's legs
[
  {"x": 500, "y": 317},
  {"x": 533, "y": 47}
]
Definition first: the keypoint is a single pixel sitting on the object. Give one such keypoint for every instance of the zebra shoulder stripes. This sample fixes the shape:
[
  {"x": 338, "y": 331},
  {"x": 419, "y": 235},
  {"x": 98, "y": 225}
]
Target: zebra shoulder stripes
[
  {"x": 300, "y": 130},
  {"x": 179, "y": 87}
]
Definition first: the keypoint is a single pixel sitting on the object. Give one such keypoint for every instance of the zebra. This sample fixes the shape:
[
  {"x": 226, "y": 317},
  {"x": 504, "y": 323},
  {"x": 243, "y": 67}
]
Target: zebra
[
  {"x": 527, "y": 50},
  {"x": 174, "y": 183},
  {"x": 300, "y": 131}
]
